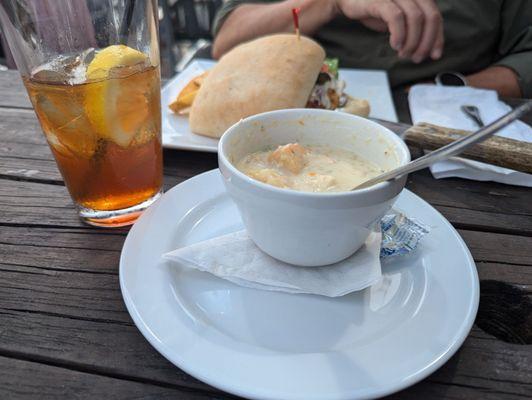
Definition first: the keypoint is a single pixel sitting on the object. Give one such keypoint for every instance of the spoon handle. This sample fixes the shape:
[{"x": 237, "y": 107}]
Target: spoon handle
[{"x": 453, "y": 148}]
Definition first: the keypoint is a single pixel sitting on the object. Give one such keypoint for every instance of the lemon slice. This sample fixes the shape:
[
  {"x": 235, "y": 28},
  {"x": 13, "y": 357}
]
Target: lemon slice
[{"x": 116, "y": 103}]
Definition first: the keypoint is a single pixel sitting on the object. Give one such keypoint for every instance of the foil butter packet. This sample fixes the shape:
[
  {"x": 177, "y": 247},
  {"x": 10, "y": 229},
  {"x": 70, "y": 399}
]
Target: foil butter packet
[
  {"x": 234, "y": 257},
  {"x": 400, "y": 234}
]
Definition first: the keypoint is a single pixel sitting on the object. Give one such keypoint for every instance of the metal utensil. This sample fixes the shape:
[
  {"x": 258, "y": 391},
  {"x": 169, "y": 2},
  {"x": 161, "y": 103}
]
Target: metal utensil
[
  {"x": 451, "y": 149},
  {"x": 473, "y": 113}
]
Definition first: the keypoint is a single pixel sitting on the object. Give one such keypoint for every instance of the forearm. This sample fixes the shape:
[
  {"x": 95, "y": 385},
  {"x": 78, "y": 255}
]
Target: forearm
[
  {"x": 249, "y": 21},
  {"x": 499, "y": 78}
]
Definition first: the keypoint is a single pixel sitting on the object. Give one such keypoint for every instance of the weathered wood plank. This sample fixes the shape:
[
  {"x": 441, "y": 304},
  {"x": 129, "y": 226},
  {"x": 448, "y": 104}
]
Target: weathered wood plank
[
  {"x": 65, "y": 239},
  {"x": 498, "y": 248},
  {"x": 33, "y": 380},
  {"x": 67, "y": 268},
  {"x": 32, "y": 170},
  {"x": 515, "y": 274},
  {"x": 186, "y": 164},
  {"x": 73, "y": 294},
  {"x": 492, "y": 205},
  {"x": 75, "y": 317},
  {"x": 61, "y": 286},
  {"x": 116, "y": 349},
  {"x": 101, "y": 347},
  {"x": 22, "y": 136},
  {"x": 37, "y": 204},
  {"x": 465, "y": 377},
  {"x": 496, "y": 150},
  {"x": 13, "y": 91},
  {"x": 63, "y": 269},
  {"x": 477, "y": 205},
  {"x": 20, "y": 126},
  {"x": 54, "y": 258},
  {"x": 24, "y": 155},
  {"x": 469, "y": 206},
  {"x": 487, "y": 196},
  {"x": 448, "y": 391}
]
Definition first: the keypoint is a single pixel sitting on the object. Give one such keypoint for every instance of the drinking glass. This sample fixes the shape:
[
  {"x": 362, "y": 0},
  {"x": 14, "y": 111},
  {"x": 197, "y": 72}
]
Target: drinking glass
[{"x": 91, "y": 69}]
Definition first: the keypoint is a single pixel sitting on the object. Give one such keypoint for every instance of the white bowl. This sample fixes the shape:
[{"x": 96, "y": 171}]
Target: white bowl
[{"x": 301, "y": 228}]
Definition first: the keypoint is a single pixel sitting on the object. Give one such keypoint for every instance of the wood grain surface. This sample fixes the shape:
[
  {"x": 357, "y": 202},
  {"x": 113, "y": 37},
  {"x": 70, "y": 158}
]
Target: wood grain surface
[
  {"x": 65, "y": 332},
  {"x": 500, "y": 151}
]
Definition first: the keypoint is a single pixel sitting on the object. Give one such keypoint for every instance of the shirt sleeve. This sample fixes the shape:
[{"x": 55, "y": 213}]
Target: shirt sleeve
[
  {"x": 515, "y": 47},
  {"x": 227, "y": 7}
]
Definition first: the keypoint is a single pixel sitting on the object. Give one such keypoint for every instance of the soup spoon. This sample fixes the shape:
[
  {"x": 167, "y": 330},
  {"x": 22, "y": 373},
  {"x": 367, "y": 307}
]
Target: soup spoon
[{"x": 451, "y": 149}]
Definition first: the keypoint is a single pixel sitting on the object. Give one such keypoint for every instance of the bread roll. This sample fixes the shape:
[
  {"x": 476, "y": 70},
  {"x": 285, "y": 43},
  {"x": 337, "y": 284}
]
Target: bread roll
[{"x": 270, "y": 73}]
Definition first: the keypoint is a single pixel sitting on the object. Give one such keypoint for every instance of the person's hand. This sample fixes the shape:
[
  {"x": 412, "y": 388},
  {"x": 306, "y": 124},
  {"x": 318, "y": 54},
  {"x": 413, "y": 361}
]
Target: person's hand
[{"x": 415, "y": 26}]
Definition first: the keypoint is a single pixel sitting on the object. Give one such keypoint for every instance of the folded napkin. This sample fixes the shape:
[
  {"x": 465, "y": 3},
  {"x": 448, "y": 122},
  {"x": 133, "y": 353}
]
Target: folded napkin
[
  {"x": 440, "y": 105},
  {"x": 236, "y": 258}
]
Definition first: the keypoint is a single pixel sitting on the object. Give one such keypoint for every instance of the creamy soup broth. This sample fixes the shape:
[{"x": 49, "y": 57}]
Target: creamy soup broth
[{"x": 309, "y": 168}]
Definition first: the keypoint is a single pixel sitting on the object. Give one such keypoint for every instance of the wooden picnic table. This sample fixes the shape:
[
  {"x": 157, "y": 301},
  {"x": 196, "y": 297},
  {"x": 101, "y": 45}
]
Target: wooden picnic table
[{"x": 65, "y": 332}]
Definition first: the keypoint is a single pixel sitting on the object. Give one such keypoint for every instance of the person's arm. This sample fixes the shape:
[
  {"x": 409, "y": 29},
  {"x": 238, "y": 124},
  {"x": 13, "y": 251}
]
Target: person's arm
[
  {"x": 502, "y": 79},
  {"x": 249, "y": 21},
  {"x": 511, "y": 74},
  {"x": 415, "y": 26}
]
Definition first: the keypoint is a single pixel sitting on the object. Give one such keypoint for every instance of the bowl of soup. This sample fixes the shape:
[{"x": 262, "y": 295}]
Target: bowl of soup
[{"x": 291, "y": 175}]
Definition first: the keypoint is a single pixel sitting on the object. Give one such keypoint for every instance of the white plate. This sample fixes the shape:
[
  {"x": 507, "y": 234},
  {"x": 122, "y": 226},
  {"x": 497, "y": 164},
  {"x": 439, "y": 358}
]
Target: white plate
[
  {"x": 372, "y": 85},
  {"x": 269, "y": 345}
]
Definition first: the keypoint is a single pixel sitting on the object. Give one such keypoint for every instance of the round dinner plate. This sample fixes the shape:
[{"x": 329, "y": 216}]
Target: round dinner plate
[{"x": 270, "y": 345}]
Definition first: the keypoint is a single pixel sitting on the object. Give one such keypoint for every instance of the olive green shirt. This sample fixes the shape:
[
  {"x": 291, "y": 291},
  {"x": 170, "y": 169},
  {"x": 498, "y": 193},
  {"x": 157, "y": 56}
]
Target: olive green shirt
[{"x": 478, "y": 34}]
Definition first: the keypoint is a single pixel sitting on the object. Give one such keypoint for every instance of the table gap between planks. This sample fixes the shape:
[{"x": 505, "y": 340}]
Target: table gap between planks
[{"x": 65, "y": 332}]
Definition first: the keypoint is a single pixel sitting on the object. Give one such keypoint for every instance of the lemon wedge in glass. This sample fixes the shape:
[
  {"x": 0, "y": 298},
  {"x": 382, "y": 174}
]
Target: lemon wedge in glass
[{"x": 115, "y": 101}]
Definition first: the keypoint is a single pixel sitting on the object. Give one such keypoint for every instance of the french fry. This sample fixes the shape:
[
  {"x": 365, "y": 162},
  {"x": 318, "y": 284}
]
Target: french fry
[{"x": 184, "y": 100}]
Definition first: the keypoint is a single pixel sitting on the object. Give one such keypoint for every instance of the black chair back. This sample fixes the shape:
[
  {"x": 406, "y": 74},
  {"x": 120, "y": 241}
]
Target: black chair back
[{"x": 193, "y": 18}]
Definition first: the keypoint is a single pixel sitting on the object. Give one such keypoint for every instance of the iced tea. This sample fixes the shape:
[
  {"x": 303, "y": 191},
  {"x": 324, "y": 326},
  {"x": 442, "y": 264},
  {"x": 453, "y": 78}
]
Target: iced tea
[{"x": 100, "y": 112}]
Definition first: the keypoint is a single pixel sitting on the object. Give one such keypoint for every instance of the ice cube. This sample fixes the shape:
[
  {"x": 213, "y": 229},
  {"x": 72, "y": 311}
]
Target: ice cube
[
  {"x": 67, "y": 69},
  {"x": 78, "y": 136},
  {"x": 78, "y": 75},
  {"x": 122, "y": 71},
  {"x": 147, "y": 133},
  {"x": 52, "y": 114},
  {"x": 45, "y": 75},
  {"x": 66, "y": 127},
  {"x": 75, "y": 139},
  {"x": 54, "y": 143},
  {"x": 78, "y": 67},
  {"x": 87, "y": 55}
]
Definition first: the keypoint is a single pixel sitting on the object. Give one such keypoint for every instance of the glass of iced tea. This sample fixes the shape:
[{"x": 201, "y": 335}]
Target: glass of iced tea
[{"x": 91, "y": 68}]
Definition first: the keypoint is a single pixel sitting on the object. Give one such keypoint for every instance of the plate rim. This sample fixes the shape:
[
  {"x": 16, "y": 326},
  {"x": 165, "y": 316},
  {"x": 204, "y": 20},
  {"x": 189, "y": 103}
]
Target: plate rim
[{"x": 389, "y": 388}]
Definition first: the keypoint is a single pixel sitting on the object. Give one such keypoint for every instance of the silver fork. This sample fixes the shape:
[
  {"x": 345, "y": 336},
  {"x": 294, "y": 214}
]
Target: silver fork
[{"x": 473, "y": 113}]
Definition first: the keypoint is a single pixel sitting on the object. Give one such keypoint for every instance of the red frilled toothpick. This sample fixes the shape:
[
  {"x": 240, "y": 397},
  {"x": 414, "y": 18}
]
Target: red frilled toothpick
[{"x": 295, "y": 14}]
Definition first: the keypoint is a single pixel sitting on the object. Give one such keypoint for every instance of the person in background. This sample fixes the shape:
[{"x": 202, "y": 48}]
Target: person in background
[{"x": 488, "y": 41}]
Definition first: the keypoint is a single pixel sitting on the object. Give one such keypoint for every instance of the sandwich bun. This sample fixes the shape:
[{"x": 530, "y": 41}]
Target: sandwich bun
[{"x": 270, "y": 73}]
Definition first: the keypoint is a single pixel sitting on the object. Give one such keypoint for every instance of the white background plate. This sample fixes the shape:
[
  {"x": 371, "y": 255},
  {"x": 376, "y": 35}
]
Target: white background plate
[
  {"x": 270, "y": 345},
  {"x": 371, "y": 85}
]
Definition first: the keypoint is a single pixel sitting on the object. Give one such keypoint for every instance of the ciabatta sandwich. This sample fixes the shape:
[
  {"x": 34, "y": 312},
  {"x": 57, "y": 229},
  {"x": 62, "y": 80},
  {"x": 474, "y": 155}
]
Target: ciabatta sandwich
[{"x": 270, "y": 73}]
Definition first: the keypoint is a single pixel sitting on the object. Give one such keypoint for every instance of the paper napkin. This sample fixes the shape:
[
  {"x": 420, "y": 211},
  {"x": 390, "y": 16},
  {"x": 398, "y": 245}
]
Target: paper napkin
[
  {"x": 440, "y": 105},
  {"x": 236, "y": 258}
]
